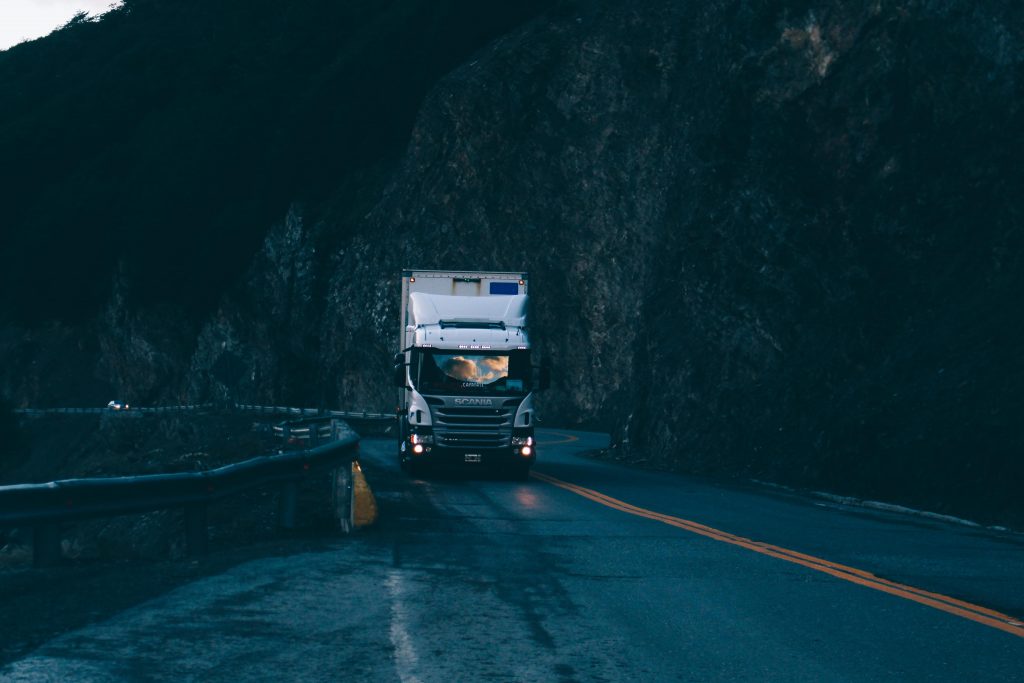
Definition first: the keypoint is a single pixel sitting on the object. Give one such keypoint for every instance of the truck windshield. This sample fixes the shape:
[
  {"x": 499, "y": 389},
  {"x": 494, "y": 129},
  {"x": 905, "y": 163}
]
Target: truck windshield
[{"x": 448, "y": 372}]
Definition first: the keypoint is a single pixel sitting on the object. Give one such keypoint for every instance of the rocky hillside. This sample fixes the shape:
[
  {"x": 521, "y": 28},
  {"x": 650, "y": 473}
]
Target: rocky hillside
[
  {"x": 778, "y": 239},
  {"x": 145, "y": 156}
]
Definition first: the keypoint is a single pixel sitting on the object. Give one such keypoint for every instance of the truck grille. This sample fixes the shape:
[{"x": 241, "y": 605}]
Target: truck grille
[{"x": 468, "y": 428}]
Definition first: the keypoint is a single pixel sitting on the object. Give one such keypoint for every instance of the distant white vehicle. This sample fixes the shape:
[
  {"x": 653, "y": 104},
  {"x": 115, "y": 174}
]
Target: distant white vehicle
[{"x": 118, "y": 405}]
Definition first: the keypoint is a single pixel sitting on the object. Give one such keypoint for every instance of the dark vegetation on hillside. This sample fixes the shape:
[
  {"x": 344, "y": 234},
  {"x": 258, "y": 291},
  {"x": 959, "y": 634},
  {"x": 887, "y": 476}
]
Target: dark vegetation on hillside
[
  {"x": 13, "y": 443},
  {"x": 163, "y": 140},
  {"x": 130, "y": 443}
]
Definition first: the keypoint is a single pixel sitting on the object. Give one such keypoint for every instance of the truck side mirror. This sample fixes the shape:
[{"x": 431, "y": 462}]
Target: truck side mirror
[
  {"x": 543, "y": 377},
  {"x": 399, "y": 376}
]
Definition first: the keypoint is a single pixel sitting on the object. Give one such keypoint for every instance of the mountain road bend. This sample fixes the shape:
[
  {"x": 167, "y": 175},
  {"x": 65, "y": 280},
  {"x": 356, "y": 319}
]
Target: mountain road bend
[{"x": 588, "y": 571}]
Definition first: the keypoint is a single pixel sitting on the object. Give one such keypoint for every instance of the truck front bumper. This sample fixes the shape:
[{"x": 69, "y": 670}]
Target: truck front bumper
[{"x": 486, "y": 457}]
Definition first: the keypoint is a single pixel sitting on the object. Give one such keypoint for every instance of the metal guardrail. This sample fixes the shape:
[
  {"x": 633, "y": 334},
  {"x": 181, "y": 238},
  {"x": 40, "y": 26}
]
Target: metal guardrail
[
  {"x": 44, "y": 506},
  {"x": 282, "y": 410},
  {"x": 291, "y": 433},
  {"x": 112, "y": 411},
  {"x": 265, "y": 410}
]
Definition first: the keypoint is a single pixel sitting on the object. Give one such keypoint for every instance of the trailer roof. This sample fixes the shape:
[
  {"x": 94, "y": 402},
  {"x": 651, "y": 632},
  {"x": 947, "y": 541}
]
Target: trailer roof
[{"x": 510, "y": 275}]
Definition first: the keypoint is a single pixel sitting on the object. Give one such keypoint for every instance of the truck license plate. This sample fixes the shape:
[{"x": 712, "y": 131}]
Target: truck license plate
[{"x": 472, "y": 457}]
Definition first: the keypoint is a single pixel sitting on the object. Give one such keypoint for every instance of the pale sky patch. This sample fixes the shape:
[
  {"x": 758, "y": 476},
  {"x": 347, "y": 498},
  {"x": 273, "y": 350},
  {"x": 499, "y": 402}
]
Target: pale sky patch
[{"x": 22, "y": 20}]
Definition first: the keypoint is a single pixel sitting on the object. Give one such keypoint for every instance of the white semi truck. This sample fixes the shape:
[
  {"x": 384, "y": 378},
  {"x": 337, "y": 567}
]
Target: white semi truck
[{"x": 465, "y": 371}]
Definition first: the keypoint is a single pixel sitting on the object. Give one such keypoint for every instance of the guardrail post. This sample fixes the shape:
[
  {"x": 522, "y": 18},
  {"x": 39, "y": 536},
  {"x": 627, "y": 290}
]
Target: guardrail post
[
  {"x": 197, "y": 542},
  {"x": 343, "y": 493},
  {"x": 45, "y": 545},
  {"x": 286, "y": 505}
]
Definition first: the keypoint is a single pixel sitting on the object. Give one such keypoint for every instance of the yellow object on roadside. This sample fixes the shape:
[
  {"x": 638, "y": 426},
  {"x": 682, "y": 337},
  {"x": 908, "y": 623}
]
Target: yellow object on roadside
[{"x": 364, "y": 504}]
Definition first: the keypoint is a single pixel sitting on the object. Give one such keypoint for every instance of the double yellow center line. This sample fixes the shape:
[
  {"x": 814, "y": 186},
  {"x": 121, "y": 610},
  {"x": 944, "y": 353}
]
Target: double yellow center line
[{"x": 977, "y": 613}]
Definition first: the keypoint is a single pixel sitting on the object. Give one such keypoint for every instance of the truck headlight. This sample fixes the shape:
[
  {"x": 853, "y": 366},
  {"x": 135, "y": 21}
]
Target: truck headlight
[
  {"x": 425, "y": 439},
  {"x": 522, "y": 440}
]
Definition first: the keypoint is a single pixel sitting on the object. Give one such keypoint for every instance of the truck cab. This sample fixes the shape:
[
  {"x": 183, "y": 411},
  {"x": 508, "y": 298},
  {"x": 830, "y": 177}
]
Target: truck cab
[{"x": 465, "y": 371}]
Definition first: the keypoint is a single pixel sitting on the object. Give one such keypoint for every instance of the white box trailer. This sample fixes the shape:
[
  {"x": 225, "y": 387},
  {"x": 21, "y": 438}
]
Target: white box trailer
[{"x": 464, "y": 370}]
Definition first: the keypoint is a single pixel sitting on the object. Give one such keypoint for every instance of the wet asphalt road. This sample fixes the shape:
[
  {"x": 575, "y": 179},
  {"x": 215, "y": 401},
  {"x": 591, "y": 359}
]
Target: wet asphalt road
[{"x": 480, "y": 578}]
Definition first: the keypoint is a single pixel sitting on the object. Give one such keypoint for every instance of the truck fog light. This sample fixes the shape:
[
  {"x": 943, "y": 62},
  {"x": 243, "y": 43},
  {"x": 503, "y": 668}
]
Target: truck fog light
[
  {"x": 417, "y": 448},
  {"x": 526, "y": 450}
]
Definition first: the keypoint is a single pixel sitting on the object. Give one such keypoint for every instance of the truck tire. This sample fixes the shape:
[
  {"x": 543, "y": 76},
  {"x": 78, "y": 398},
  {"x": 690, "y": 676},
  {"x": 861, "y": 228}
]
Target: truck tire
[
  {"x": 519, "y": 472},
  {"x": 403, "y": 461},
  {"x": 416, "y": 469}
]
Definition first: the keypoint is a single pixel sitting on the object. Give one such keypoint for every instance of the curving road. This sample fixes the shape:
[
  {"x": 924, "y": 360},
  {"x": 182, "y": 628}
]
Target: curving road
[{"x": 588, "y": 572}]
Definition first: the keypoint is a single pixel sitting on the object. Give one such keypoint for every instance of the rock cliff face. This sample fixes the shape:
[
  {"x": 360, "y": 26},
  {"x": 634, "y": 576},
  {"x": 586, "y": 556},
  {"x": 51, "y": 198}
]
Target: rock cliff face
[{"x": 778, "y": 239}]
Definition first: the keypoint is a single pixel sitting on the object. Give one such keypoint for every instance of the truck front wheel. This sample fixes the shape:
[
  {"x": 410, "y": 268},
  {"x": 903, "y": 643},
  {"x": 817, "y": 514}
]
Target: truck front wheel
[
  {"x": 519, "y": 472},
  {"x": 417, "y": 469}
]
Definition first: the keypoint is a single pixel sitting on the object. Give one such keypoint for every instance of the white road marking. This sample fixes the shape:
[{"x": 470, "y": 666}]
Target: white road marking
[{"x": 406, "y": 659}]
